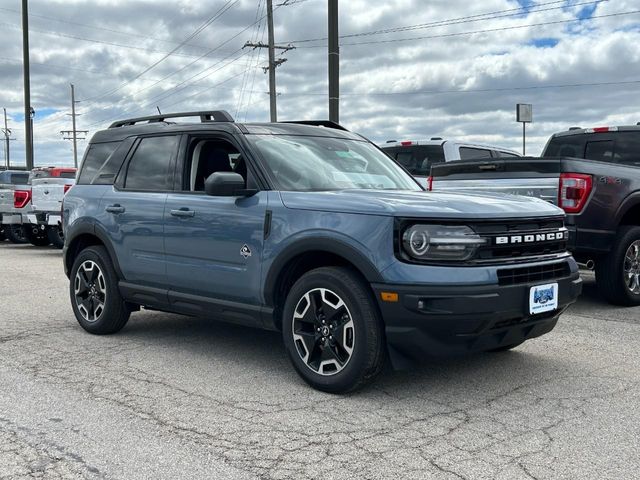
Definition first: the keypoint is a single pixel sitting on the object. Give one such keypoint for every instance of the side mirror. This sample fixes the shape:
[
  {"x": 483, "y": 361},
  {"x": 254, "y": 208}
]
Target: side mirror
[{"x": 226, "y": 184}]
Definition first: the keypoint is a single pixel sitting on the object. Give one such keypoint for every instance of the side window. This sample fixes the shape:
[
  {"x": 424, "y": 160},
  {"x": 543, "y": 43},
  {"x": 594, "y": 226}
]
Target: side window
[
  {"x": 467, "y": 153},
  {"x": 507, "y": 154},
  {"x": 628, "y": 148},
  {"x": 97, "y": 156},
  {"x": 151, "y": 166},
  {"x": 601, "y": 150},
  {"x": 207, "y": 156}
]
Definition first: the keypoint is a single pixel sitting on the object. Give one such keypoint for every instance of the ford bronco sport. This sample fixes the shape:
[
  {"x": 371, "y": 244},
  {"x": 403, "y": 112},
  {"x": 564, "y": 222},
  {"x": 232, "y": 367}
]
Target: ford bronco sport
[{"x": 306, "y": 228}]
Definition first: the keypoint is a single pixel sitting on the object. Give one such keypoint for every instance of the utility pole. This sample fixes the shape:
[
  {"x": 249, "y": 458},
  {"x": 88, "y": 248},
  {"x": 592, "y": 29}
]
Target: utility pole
[
  {"x": 334, "y": 63},
  {"x": 73, "y": 133},
  {"x": 28, "y": 131},
  {"x": 273, "y": 62},
  {"x": 7, "y": 139}
]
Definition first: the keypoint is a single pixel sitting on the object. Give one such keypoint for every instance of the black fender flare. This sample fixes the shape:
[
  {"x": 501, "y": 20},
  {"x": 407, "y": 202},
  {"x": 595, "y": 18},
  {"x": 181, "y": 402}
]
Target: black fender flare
[
  {"x": 630, "y": 201},
  {"x": 90, "y": 227},
  {"x": 323, "y": 244}
]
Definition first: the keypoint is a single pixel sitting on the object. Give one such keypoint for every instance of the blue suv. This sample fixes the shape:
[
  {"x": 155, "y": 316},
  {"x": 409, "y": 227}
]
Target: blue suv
[{"x": 305, "y": 228}]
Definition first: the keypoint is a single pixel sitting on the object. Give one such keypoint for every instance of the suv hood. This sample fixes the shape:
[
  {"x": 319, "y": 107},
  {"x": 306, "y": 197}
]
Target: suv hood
[{"x": 421, "y": 204}]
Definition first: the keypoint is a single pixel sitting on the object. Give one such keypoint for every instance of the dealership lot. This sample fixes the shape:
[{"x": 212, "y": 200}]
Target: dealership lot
[{"x": 173, "y": 397}]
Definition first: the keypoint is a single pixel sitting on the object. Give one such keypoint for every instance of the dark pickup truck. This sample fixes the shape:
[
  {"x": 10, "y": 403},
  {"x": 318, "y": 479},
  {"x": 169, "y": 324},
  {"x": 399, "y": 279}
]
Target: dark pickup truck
[{"x": 594, "y": 175}]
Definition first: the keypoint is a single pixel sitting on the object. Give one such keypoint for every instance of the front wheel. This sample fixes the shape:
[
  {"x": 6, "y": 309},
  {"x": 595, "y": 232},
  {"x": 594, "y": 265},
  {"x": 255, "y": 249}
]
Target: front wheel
[
  {"x": 332, "y": 330},
  {"x": 54, "y": 233},
  {"x": 618, "y": 272}
]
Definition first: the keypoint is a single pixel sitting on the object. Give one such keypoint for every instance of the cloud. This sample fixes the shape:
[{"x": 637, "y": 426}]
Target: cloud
[{"x": 418, "y": 82}]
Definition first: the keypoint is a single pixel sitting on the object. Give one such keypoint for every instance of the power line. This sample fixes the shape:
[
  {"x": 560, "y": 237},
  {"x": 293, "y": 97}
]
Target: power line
[
  {"x": 491, "y": 30},
  {"x": 477, "y": 90},
  {"x": 200, "y": 58},
  {"x": 219, "y": 13},
  {"x": 92, "y": 40},
  {"x": 104, "y": 29},
  {"x": 460, "y": 20}
]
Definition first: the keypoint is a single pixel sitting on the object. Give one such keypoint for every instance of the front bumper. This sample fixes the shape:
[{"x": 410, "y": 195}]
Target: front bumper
[
  {"x": 44, "y": 218},
  {"x": 434, "y": 321}
]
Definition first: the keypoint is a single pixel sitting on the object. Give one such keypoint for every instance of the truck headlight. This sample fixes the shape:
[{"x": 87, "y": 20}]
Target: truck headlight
[{"x": 440, "y": 242}]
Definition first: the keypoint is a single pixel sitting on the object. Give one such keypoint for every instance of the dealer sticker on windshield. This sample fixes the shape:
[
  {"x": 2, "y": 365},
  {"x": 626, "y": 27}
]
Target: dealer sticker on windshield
[{"x": 543, "y": 298}]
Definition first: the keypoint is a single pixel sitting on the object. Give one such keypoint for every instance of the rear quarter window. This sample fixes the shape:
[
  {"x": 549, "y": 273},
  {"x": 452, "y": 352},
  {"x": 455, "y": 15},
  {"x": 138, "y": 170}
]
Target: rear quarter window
[
  {"x": 100, "y": 165},
  {"x": 418, "y": 159},
  {"x": 468, "y": 153}
]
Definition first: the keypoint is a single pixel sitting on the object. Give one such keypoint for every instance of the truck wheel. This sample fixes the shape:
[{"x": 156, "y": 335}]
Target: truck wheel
[
  {"x": 15, "y": 234},
  {"x": 95, "y": 297},
  {"x": 2, "y": 235},
  {"x": 618, "y": 272},
  {"x": 333, "y": 331},
  {"x": 35, "y": 236},
  {"x": 54, "y": 233}
]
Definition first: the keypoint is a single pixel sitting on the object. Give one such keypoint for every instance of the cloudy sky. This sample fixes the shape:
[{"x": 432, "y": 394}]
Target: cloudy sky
[{"x": 409, "y": 69}]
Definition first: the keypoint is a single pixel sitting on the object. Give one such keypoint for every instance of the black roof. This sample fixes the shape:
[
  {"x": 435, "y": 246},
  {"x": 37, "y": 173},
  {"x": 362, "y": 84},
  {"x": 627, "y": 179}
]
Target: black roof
[{"x": 157, "y": 124}]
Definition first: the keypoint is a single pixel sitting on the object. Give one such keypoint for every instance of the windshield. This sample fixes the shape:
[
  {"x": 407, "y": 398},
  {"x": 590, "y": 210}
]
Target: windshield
[{"x": 302, "y": 163}]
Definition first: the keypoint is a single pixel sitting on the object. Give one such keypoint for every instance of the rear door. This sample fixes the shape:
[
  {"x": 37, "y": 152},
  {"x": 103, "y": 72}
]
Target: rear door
[{"x": 134, "y": 209}]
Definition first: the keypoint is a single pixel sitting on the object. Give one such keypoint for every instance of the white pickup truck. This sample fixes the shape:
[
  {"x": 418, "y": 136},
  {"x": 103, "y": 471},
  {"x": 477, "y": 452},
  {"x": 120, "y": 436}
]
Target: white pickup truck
[
  {"x": 417, "y": 156},
  {"x": 15, "y": 200},
  {"x": 48, "y": 187}
]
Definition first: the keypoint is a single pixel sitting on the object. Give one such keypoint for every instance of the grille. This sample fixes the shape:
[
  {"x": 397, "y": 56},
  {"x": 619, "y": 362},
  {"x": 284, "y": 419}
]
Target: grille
[
  {"x": 537, "y": 273},
  {"x": 516, "y": 250}
]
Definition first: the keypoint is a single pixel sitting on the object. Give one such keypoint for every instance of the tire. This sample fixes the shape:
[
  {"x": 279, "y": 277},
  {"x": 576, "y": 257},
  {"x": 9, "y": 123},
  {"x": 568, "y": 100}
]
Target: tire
[
  {"x": 346, "y": 305},
  {"x": 55, "y": 236},
  {"x": 2, "y": 235},
  {"x": 612, "y": 280},
  {"x": 15, "y": 234},
  {"x": 35, "y": 236},
  {"x": 95, "y": 297}
]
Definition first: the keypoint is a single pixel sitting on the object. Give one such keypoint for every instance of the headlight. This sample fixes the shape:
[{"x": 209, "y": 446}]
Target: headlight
[{"x": 440, "y": 242}]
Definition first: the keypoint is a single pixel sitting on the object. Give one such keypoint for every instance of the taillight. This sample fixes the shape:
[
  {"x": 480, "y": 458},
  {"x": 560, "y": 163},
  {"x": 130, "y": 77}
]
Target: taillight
[
  {"x": 406, "y": 143},
  {"x": 21, "y": 198},
  {"x": 67, "y": 187},
  {"x": 574, "y": 191},
  {"x": 430, "y": 183}
]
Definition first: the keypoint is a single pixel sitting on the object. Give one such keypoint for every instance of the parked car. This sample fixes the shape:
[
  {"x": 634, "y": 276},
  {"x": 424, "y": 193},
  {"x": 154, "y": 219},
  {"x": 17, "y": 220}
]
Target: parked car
[
  {"x": 594, "y": 175},
  {"x": 15, "y": 198},
  {"x": 311, "y": 230},
  {"x": 418, "y": 156},
  {"x": 48, "y": 187}
]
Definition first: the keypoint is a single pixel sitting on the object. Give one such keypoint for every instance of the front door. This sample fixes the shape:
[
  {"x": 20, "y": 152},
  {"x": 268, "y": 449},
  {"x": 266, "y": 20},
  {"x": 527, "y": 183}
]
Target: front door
[{"x": 213, "y": 245}]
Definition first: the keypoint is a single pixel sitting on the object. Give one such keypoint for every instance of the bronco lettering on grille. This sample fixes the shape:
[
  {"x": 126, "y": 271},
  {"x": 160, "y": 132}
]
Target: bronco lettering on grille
[{"x": 532, "y": 238}]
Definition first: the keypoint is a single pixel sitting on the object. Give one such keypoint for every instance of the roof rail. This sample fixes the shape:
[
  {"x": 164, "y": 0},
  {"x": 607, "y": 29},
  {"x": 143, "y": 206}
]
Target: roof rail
[
  {"x": 205, "y": 116},
  {"x": 574, "y": 128},
  {"x": 318, "y": 123}
]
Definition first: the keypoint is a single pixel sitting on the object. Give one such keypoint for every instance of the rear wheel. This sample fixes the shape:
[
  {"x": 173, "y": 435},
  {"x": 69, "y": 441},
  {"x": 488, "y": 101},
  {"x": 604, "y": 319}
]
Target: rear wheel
[
  {"x": 15, "y": 234},
  {"x": 332, "y": 330},
  {"x": 618, "y": 272},
  {"x": 36, "y": 236},
  {"x": 2, "y": 235},
  {"x": 95, "y": 297},
  {"x": 54, "y": 233}
]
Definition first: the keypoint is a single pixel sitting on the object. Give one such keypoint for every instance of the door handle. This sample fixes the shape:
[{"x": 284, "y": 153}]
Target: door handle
[
  {"x": 115, "y": 208},
  {"x": 183, "y": 212}
]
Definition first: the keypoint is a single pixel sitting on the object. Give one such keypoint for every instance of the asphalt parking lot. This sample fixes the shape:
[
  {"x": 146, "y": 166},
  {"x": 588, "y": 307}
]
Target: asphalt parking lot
[{"x": 173, "y": 397}]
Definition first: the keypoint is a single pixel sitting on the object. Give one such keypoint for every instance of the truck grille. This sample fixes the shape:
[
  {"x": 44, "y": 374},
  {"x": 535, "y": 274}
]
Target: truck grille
[
  {"x": 522, "y": 230},
  {"x": 532, "y": 274}
]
